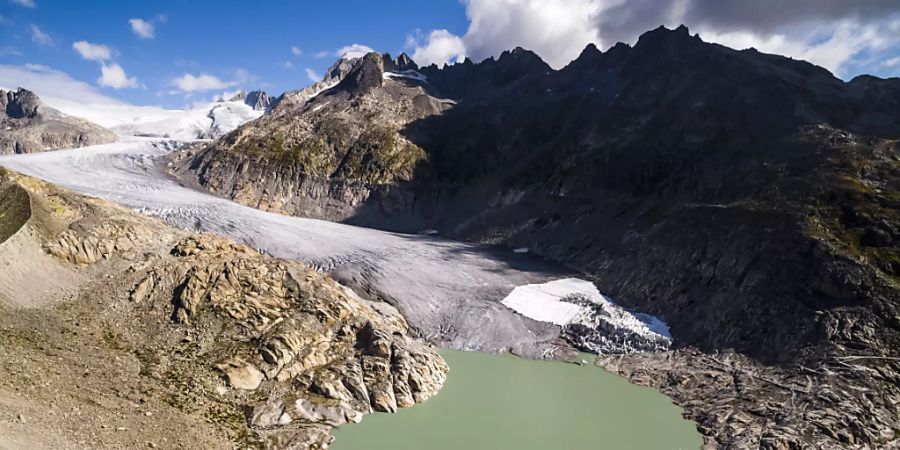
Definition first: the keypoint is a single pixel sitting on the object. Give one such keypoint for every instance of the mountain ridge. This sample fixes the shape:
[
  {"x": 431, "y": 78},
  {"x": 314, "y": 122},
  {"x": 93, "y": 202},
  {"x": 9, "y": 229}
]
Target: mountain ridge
[{"x": 750, "y": 200}]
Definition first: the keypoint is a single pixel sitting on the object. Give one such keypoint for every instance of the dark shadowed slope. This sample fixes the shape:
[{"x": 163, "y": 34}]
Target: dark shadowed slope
[{"x": 751, "y": 200}]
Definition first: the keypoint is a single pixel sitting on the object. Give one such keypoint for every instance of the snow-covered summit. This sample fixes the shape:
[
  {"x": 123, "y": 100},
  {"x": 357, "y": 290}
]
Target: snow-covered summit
[
  {"x": 207, "y": 121},
  {"x": 202, "y": 121},
  {"x": 257, "y": 100}
]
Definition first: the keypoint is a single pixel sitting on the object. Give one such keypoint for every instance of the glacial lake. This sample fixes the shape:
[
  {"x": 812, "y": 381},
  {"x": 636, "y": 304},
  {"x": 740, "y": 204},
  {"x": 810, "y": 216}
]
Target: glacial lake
[{"x": 500, "y": 402}]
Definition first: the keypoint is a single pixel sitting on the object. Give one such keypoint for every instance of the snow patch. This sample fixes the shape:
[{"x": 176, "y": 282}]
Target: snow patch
[
  {"x": 590, "y": 320},
  {"x": 410, "y": 74}
]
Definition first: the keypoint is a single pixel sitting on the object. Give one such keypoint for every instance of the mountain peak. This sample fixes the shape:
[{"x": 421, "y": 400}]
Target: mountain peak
[
  {"x": 590, "y": 54},
  {"x": 257, "y": 100},
  {"x": 239, "y": 96},
  {"x": 662, "y": 34},
  {"x": 20, "y": 104},
  {"x": 669, "y": 42},
  {"x": 523, "y": 59},
  {"x": 366, "y": 74},
  {"x": 400, "y": 64}
]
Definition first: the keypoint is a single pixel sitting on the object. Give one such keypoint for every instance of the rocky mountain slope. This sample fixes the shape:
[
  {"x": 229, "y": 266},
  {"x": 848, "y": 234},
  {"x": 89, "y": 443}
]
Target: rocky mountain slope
[
  {"x": 750, "y": 200},
  {"x": 27, "y": 126},
  {"x": 167, "y": 339}
]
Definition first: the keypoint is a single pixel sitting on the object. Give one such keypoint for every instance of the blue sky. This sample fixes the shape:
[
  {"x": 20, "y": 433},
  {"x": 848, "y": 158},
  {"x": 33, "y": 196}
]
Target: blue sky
[
  {"x": 234, "y": 41},
  {"x": 176, "y": 52}
]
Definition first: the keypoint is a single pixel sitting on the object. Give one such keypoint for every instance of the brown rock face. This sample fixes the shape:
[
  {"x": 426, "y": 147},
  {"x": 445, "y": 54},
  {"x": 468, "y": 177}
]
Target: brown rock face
[{"x": 270, "y": 352}]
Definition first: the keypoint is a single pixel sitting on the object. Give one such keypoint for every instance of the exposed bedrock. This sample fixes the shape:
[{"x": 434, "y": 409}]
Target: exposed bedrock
[{"x": 254, "y": 350}]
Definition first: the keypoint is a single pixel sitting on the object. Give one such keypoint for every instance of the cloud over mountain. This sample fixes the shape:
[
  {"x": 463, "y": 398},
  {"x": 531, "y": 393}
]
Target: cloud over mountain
[{"x": 831, "y": 33}]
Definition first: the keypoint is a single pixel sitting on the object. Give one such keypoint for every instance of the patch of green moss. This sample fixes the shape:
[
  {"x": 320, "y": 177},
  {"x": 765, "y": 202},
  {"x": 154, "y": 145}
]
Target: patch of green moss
[
  {"x": 380, "y": 155},
  {"x": 848, "y": 210}
]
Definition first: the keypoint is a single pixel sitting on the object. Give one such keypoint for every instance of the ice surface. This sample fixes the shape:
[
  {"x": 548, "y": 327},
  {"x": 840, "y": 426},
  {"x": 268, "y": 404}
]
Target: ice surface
[{"x": 593, "y": 320}]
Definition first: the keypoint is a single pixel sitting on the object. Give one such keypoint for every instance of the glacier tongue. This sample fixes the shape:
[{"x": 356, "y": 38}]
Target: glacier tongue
[{"x": 590, "y": 321}]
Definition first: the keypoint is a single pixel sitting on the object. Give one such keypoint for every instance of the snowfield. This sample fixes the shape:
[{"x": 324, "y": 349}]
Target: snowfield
[
  {"x": 459, "y": 295},
  {"x": 577, "y": 305},
  {"x": 410, "y": 74},
  {"x": 204, "y": 121}
]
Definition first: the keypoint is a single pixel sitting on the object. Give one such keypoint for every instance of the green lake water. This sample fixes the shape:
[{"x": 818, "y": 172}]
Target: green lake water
[{"x": 500, "y": 402}]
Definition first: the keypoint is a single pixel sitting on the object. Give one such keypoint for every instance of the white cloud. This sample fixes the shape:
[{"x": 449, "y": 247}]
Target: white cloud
[
  {"x": 831, "y": 50},
  {"x": 556, "y": 30},
  {"x": 296, "y": 51},
  {"x": 313, "y": 76},
  {"x": 9, "y": 50},
  {"x": 25, "y": 3},
  {"x": 39, "y": 37},
  {"x": 440, "y": 47},
  {"x": 48, "y": 82},
  {"x": 141, "y": 28},
  {"x": 200, "y": 83},
  {"x": 353, "y": 51},
  {"x": 190, "y": 83},
  {"x": 323, "y": 54},
  {"x": 831, "y": 33},
  {"x": 287, "y": 65},
  {"x": 893, "y": 62},
  {"x": 92, "y": 52},
  {"x": 113, "y": 76}
]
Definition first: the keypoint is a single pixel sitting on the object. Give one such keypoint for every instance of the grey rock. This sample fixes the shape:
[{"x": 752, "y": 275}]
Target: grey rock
[{"x": 27, "y": 125}]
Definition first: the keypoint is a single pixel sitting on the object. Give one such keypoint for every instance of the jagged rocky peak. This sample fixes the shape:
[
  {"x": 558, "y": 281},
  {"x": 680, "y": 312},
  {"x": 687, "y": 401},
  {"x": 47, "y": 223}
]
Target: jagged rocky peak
[
  {"x": 366, "y": 74},
  {"x": 590, "y": 51},
  {"x": 663, "y": 37},
  {"x": 20, "y": 104},
  {"x": 519, "y": 61},
  {"x": 257, "y": 100},
  {"x": 401, "y": 64},
  {"x": 590, "y": 56},
  {"x": 339, "y": 69}
]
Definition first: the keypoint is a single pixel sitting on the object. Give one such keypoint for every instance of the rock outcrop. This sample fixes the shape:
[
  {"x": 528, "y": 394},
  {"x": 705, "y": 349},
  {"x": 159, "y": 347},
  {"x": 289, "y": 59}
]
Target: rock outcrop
[
  {"x": 272, "y": 353},
  {"x": 258, "y": 100},
  {"x": 749, "y": 200},
  {"x": 28, "y": 126}
]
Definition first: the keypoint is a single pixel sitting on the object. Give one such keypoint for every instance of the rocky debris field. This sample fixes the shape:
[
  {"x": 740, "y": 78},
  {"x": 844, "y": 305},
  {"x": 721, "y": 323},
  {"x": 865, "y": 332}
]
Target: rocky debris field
[{"x": 168, "y": 339}]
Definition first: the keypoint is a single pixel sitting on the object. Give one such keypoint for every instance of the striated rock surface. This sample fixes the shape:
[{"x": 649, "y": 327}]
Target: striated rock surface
[
  {"x": 28, "y": 126},
  {"x": 248, "y": 349}
]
